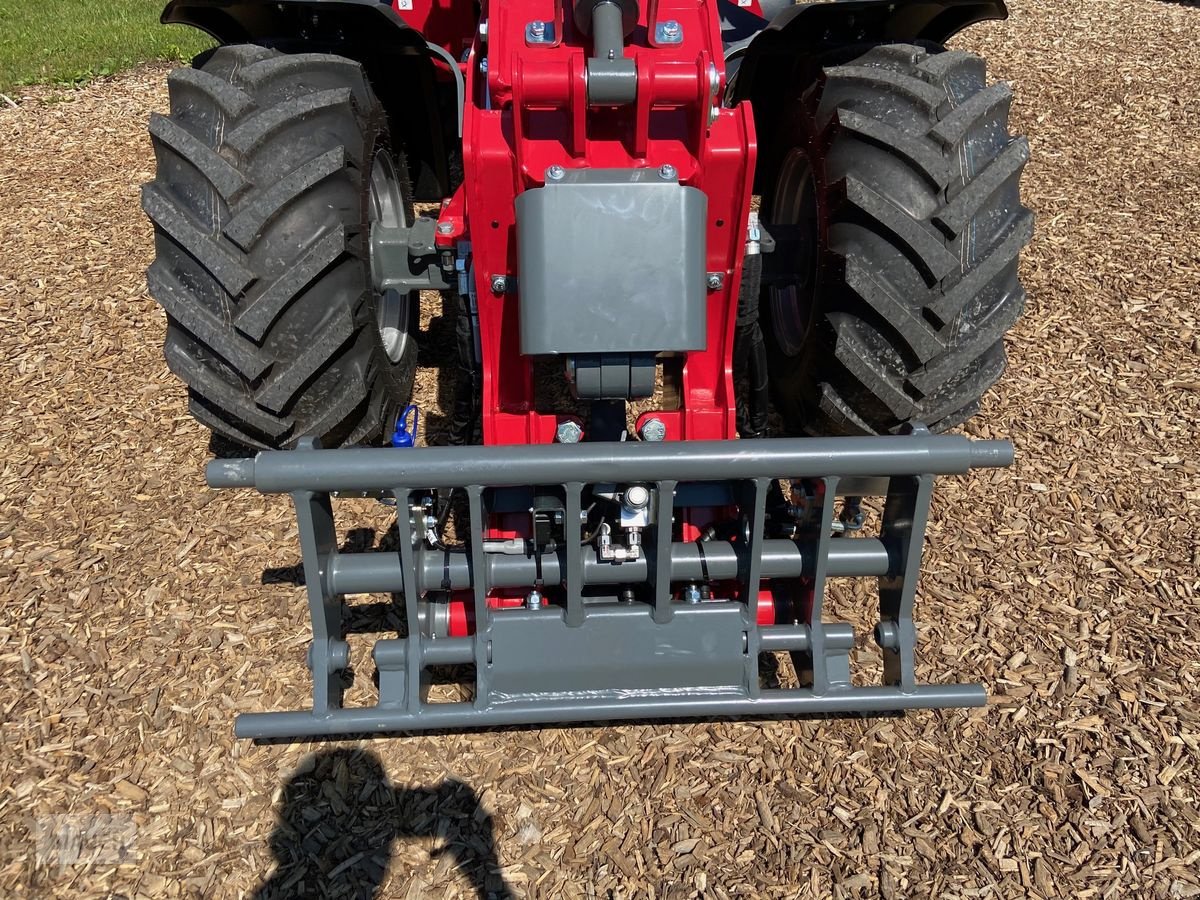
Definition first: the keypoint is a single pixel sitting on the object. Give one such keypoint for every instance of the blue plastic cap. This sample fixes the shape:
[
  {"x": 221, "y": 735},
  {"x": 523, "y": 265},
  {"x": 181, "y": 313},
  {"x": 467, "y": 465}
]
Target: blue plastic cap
[{"x": 406, "y": 435}]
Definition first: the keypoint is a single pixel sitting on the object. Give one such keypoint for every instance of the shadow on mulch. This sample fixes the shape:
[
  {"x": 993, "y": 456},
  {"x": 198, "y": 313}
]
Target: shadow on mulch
[{"x": 341, "y": 816}]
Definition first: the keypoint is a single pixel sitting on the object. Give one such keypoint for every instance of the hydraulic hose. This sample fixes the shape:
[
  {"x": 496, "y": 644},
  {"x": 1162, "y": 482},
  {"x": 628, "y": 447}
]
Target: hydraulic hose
[{"x": 750, "y": 350}]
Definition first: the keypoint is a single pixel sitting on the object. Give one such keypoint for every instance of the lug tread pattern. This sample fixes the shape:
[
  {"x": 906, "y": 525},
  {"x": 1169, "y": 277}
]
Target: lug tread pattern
[
  {"x": 875, "y": 290},
  {"x": 269, "y": 329},
  {"x": 259, "y": 312},
  {"x": 864, "y": 362},
  {"x": 266, "y": 204},
  {"x": 251, "y": 133},
  {"x": 1000, "y": 258},
  {"x": 202, "y": 323},
  {"x": 288, "y": 379},
  {"x": 917, "y": 239},
  {"x": 225, "y": 178},
  {"x": 924, "y": 235},
  {"x": 986, "y": 104},
  {"x": 956, "y": 215},
  {"x": 204, "y": 383},
  {"x": 912, "y": 148},
  {"x": 230, "y": 100},
  {"x": 226, "y": 267},
  {"x": 878, "y": 78}
]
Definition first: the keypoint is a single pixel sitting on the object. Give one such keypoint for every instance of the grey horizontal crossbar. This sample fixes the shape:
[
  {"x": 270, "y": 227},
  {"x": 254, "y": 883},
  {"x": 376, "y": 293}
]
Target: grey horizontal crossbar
[
  {"x": 368, "y": 468},
  {"x": 436, "y": 716}
]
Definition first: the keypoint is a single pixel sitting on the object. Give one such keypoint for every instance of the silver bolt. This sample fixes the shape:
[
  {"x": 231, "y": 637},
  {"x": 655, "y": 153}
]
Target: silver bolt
[
  {"x": 653, "y": 430},
  {"x": 715, "y": 280},
  {"x": 537, "y": 29},
  {"x": 499, "y": 284},
  {"x": 670, "y": 29},
  {"x": 637, "y": 496},
  {"x": 445, "y": 227},
  {"x": 555, "y": 173},
  {"x": 667, "y": 172},
  {"x": 533, "y": 600},
  {"x": 691, "y": 594},
  {"x": 568, "y": 432}
]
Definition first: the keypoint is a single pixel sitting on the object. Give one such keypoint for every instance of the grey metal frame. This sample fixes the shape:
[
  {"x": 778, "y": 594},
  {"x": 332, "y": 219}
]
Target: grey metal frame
[{"x": 589, "y": 657}]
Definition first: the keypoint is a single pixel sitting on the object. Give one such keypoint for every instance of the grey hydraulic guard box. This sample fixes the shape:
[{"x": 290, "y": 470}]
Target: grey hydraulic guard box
[{"x": 611, "y": 261}]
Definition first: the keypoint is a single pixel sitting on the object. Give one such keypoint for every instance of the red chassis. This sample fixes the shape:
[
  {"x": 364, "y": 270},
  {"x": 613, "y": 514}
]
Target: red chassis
[{"x": 526, "y": 110}]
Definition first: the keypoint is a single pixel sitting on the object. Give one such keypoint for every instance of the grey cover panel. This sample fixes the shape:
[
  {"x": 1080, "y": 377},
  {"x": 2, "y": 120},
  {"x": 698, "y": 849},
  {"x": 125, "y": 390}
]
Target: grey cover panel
[{"x": 611, "y": 261}]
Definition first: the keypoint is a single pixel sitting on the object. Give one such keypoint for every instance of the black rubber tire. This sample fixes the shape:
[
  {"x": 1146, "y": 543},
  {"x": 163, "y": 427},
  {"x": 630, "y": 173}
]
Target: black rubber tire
[
  {"x": 260, "y": 208},
  {"x": 912, "y": 282}
]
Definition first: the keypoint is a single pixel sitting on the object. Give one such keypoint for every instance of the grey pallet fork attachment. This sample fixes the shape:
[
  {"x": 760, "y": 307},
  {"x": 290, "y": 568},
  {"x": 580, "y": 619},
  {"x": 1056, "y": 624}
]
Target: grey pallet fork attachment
[{"x": 591, "y": 657}]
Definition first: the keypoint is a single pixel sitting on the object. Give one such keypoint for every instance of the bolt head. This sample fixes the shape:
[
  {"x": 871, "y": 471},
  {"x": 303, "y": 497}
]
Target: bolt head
[
  {"x": 653, "y": 430},
  {"x": 537, "y": 28},
  {"x": 568, "y": 432},
  {"x": 691, "y": 594},
  {"x": 637, "y": 496},
  {"x": 533, "y": 600},
  {"x": 555, "y": 173},
  {"x": 499, "y": 284},
  {"x": 715, "y": 280},
  {"x": 670, "y": 28},
  {"x": 667, "y": 172},
  {"x": 445, "y": 227}
]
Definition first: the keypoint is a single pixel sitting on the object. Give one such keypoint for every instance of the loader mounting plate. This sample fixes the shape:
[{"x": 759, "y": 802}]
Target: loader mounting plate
[{"x": 614, "y": 640}]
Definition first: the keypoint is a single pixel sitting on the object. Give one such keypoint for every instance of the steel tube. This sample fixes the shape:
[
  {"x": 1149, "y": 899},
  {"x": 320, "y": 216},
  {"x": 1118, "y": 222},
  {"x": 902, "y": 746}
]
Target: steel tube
[
  {"x": 379, "y": 573},
  {"x": 783, "y": 637},
  {"x": 608, "y": 31},
  {"x": 791, "y": 702},
  {"x": 364, "y": 468},
  {"x": 444, "y": 651}
]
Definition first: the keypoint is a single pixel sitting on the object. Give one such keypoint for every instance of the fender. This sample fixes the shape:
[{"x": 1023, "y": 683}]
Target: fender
[
  {"x": 770, "y": 64},
  {"x": 422, "y": 107}
]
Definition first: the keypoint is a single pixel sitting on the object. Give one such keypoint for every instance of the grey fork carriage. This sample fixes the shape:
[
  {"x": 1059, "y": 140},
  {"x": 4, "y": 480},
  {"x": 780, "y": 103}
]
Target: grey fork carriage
[{"x": 592, "y": 657}]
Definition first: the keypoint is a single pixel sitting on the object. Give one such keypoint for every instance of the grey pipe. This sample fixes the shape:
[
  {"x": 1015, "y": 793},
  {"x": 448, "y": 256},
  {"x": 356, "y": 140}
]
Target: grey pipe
[
  {"x": 376, "y": 720},
  {"x": 608, "y": 31},
  {"x": 365, "y": 469},
  {"x": 379, "y": 572}
]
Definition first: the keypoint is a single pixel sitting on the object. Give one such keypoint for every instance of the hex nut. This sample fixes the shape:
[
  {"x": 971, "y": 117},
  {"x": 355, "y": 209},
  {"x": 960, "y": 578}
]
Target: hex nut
[
  {"x": 568, "y": 432},
  {"x": 653, "y": 430}
]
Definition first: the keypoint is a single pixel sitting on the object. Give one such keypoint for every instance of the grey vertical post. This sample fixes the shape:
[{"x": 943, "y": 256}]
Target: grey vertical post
[
  {"x": 327, "y": 653},
  {"x": 573, "y": 582},
  {"x": 479, "y": 584},
  {"x": 660, "y": 570},
  {"x": 756, "y": 505},
  {"x": 411, "y": 578},
  {"x": 905, "y": 515},
  {"x": 830, "y": 668}
]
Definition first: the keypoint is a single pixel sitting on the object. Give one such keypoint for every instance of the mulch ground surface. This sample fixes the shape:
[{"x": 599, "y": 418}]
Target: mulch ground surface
[{"x": 138, "y": 621}]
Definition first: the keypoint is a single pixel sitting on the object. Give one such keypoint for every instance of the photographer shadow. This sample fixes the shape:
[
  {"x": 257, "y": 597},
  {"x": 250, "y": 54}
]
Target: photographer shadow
[{"x": 341, "y": 817}]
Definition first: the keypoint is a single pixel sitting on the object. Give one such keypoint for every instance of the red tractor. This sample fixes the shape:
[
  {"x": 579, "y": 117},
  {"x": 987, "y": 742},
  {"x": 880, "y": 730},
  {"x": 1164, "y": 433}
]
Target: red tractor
[{"x": 653, "y": 222}]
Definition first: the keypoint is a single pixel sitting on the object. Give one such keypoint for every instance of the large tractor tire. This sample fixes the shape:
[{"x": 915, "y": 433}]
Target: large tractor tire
[
  {"x": 271, "y": 169},
  {"x": 900, "y": 179}
]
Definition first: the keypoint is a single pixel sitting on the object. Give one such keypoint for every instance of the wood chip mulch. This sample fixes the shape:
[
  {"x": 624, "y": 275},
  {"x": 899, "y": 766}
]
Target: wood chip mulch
[{"x": 141, "y": 613}]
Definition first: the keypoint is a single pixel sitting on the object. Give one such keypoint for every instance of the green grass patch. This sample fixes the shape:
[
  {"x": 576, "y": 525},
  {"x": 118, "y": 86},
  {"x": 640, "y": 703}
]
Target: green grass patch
[{"x": 69, "y": 41}]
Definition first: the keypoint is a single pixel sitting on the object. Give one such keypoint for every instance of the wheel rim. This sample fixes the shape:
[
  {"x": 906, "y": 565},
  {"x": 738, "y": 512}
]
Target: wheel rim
[
  {"x": 392, "y": 308},
  {"x": 795, "y": 203}
]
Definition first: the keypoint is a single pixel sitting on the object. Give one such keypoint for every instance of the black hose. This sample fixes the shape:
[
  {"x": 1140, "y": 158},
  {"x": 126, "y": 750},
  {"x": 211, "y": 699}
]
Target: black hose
[
  {"x": 750, "y": 354},
  {"x": 467, "y": 392}
]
